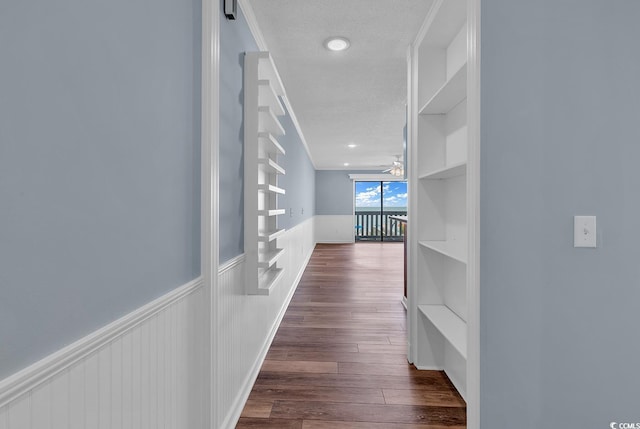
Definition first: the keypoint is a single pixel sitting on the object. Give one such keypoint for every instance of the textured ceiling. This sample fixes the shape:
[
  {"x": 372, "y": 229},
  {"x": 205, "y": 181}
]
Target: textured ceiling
[{"x": 355, "y": 96}]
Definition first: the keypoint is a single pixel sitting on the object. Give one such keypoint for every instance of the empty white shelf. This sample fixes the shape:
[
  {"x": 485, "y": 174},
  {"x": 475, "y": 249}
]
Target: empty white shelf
[
  {"x": 446, "y": 248},
  {"x": 449, "y": 95},
  {"x": 269, "y": 280},
  {"x": 267, "y": 71},
  {"x": 271, "y": 188},
  {"x": 270, "y": 235},
  {"x": 271, "y": 144},
  {"x": 446, "y": 172},
  {"x": 263, "y": 108},
  {"x": 269, "y": 122},
  {"x": 271, "y": 212},
  {"x": 267, "y": 97},
  {"x": 271, "y": 165},
  {"x": 450, "y": 325},
  {"x": 268, "y": 259}
]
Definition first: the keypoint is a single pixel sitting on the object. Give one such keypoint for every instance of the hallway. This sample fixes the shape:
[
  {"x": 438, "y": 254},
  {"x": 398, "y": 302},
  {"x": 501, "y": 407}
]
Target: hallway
[{"x": 339, "y": 357}]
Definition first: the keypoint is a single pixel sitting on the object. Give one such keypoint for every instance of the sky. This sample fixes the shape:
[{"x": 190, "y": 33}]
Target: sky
[{"x": 368, "y": 194}]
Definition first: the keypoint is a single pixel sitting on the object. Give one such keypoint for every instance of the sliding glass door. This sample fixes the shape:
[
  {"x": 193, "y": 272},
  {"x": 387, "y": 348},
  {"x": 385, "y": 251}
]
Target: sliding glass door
[{"x": 375, "y": 203}]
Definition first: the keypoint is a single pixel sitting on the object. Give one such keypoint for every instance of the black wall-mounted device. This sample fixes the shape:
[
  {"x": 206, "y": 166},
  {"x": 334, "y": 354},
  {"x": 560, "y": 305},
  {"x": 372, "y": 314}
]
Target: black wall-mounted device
[{"x": 230, "y": 8}]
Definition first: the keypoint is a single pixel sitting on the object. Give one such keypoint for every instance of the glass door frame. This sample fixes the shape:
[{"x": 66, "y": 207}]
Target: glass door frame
[{"x": 360, "y": 222}]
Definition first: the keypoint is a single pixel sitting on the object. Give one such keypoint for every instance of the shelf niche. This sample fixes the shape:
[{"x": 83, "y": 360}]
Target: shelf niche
[
  {"x": 439, "y": 228},
  {"x": 262, "y": 167}
]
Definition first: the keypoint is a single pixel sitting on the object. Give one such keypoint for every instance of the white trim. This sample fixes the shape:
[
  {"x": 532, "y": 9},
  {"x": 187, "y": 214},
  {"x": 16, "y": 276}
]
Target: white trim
[
  {"x": 296, "y": 124},
  {"x": 252, "y": 22},
  {"x": 473, "y": 214},
  {"x": 209, "y": 253},
  {"x": 352, "y": 168},
  {"x": 231, "y": 263},
  {"x": 412, "y": 209},
  {"x": 44, "y": 370},
  {"x": 250, "y": 16},
  {"x": 252, "y": 376},
  {"x": 377, "y": 177},
  {"x": 353, "y": 206},
  {"x": 422, "y": 32},
  {"x": 430, "y": 368}
]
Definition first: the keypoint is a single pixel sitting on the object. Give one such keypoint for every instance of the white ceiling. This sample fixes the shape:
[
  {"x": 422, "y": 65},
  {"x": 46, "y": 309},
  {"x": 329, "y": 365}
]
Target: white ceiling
[{"x": 355, "y": 96}]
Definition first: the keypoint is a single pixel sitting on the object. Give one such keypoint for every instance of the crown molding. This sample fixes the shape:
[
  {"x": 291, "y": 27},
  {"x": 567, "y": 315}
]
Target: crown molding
[{"x": 252, "y": 22}]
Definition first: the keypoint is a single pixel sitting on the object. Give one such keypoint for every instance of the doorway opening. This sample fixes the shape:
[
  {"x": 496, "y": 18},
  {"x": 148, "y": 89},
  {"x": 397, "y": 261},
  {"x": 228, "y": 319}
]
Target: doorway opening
[{"x": 376, "y": 203}]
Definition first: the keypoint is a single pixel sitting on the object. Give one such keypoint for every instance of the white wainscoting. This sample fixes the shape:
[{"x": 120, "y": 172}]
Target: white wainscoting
[
  {"x": 247, "y": 323},
  {"x": 141, "y": 371},
  {"x": 334, "y": 229},
  {"x": 145, "y": 370}
]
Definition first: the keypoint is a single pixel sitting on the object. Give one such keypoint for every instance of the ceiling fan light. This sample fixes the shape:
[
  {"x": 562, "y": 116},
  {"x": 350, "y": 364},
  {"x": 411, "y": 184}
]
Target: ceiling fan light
[
  {"x": 397, "y": 171},
  {"x": 397, "y": 168}
]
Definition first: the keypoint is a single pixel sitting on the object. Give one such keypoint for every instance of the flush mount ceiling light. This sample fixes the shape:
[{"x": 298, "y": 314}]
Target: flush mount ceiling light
[
  {"x": 346, "y": 164},
  {"x": 351, "y": 145},
  {"x": 337, "y": 43}
]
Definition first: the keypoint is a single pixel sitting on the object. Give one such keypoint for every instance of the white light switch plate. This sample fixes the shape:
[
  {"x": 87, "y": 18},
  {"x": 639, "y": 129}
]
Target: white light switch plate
[{"x": 584, "y": 231}]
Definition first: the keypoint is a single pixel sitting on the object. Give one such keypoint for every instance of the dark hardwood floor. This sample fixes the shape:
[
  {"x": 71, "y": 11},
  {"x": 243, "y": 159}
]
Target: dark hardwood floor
[{"x": 339, "y": 358}]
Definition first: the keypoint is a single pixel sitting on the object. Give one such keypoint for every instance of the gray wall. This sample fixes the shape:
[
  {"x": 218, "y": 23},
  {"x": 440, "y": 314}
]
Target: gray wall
[
  {"x": 99, "y": 165},
  {"x": 235, "y": 39},
  {"x": 299, "y": 182},
  {"x": 560, "y": 137},
  {"x": 334, "y": 191}
]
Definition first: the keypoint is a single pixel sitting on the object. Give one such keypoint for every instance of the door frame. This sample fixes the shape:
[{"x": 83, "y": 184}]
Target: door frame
[
  {"x": 209, "y": 175},
  {"x": 364, "y": 177}
]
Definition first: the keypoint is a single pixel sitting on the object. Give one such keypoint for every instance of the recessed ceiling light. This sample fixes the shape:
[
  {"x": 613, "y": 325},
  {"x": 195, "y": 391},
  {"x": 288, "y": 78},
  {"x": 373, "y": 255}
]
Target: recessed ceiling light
[
  {"x": 337, "y": 43},
  {"x": 351, "y": 145},
  {"x": 346, "y": 164}
]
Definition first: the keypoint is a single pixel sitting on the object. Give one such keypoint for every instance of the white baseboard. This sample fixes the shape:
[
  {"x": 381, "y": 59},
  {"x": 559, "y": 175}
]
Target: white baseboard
[
  {"x": 252, "y": 376},
  {"x": 251, "y": 322},
  {"x": 428, "y": 368}
]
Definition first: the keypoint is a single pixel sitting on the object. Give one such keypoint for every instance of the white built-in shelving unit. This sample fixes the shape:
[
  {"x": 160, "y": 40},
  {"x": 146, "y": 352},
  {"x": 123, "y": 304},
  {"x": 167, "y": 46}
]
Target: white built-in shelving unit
[
  {"x": 262, "y": 151},
  {"x": 438, "y": 218}
]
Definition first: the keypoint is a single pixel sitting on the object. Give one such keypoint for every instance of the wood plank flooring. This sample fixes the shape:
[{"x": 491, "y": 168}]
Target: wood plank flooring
[{"x": 339, "y": 357}]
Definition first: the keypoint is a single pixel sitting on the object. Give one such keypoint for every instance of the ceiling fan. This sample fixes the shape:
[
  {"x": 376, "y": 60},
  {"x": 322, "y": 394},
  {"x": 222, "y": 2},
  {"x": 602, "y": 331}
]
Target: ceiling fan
[{"x": 396, "y": 168}]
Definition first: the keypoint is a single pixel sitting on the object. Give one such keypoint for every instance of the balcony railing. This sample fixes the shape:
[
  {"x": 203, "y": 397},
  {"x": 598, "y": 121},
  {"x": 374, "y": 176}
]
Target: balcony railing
[{"x": 373, "y": 225}]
